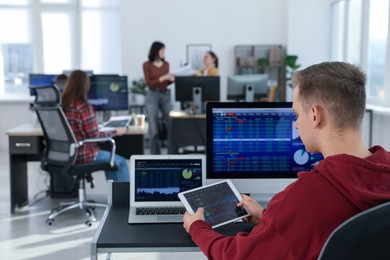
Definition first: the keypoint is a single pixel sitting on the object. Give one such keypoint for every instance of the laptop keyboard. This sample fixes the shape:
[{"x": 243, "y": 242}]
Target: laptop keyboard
[{"x": 160, "y": 211}]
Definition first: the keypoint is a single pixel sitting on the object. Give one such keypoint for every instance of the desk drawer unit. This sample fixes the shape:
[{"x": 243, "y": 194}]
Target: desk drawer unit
[{"x": 25, "y": 145}]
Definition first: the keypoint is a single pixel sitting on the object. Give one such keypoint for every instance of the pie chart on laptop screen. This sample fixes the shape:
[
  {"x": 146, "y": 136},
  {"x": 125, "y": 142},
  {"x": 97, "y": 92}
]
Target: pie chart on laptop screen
[
  {"x": 187, "y": 174},
  {"x": 301, "y": 157}
]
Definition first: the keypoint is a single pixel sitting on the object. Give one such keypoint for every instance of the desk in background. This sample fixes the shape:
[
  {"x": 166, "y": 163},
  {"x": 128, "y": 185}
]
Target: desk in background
[
  {"x": 188, "y": 129},
  {"x": 114, "y": 233},
  {"x": 26, "y": 144}
]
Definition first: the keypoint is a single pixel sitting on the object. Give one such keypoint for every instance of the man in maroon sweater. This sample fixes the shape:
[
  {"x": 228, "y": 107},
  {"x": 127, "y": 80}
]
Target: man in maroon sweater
[{"x": 329, "y": 100}]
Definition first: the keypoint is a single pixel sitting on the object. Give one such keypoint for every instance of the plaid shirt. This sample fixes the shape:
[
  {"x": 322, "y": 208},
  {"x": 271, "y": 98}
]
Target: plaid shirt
[{"x": 84, "y": 125}]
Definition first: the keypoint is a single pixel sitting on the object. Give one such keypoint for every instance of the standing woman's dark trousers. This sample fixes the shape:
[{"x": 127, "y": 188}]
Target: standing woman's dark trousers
[{"x": 158, "y": 100}]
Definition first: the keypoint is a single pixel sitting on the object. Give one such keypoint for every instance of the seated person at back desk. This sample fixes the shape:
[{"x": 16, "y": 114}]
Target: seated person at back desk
[
  {"x": 329, "y": 100},
  {"x": 210, "y": 61},
  {"x": 60, "y": 81},
  {"x": 82, "y": 119}
]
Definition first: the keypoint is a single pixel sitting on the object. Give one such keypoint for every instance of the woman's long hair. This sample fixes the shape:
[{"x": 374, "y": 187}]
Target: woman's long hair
[
  {"x": 76, "y": 89},
  {"x": 214, "y": 56},
  {"x": 154, "y": 49}
]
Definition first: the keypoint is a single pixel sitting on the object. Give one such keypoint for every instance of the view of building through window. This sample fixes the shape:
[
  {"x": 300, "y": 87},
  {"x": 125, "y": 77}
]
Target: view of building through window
[
  {"x": 364, "y": 43},
  {"x": 79, "y": 38}
]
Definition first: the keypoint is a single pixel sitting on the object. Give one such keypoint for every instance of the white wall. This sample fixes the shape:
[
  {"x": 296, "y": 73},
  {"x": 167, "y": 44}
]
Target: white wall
[
  {"x": 221, "y": 23},
  {"x": 303, "y": 26},
  {"x": 308, "y": 32}
]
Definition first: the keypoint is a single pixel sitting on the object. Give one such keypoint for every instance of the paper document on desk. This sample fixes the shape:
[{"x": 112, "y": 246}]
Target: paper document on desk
[{"x": 184, "y": 71}]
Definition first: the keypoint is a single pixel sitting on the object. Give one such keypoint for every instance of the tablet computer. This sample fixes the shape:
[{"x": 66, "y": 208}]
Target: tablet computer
[
  {"x": 219, "y": 201},
  {"x": 116, "y": 121}
]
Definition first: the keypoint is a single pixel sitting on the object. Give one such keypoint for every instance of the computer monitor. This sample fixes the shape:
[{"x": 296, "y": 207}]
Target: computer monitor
[
  {"x": 247, "y": 87},
  {"x": 40, "y": 79},
  {"x": 108, "y": 92},
  {"x": 255, "y": 145},
  {"x": 68, "y": 72},
  {"x": 197, "y": 90}
]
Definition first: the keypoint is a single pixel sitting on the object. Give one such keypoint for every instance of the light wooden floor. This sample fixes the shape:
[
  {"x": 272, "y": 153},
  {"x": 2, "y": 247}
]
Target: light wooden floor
[{"x": 26, "y": 236}]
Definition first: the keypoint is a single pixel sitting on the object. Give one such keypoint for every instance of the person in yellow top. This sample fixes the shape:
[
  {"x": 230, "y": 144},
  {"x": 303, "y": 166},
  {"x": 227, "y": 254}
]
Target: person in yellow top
[{"x": 210, "y": 61}]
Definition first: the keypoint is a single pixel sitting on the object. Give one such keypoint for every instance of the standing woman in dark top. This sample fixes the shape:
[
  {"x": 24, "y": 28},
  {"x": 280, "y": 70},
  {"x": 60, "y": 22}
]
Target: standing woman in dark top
[{"x": 157, "y": 78}]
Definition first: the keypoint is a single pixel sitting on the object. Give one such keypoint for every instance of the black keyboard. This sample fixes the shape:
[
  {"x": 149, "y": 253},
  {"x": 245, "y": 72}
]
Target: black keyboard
[{"x": 161, "y": 211}]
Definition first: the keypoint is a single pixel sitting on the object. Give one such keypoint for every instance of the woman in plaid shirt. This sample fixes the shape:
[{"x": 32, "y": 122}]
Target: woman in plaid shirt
[{"x": 82, "y": 119}]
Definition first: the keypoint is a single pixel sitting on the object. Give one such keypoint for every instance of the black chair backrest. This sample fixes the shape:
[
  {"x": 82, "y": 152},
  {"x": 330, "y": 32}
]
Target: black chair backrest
[
  {"x": 363, "y": 236},
  {"x": 60, "y": 152}
]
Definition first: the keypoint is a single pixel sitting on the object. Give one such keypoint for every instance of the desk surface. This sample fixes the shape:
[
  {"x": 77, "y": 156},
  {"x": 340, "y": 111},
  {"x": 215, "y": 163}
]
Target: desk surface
[
  {"x": 174, "y": 114},
  {"x": 36, "y": 130},
  {"x": 116, "y": 234}
]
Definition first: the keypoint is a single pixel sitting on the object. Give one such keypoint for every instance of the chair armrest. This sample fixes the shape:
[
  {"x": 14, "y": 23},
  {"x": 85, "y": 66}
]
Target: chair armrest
[{"x": 102, "y": 139}]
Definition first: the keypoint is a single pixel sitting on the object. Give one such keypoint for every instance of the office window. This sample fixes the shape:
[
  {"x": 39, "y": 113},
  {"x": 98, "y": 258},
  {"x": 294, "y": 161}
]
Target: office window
[
  {"x": 377, "y": 48},
  {"x": 338, "y": 28},
  {"x": 13, "y": 2},
  {"x": 353, "y": 42},
  {"x": 15, "y": 50},
  {"x": 364, "y": 42},
  {"x": 56, "y": 1},
  {"x": 100, "y": 25},
  {"x": 99, "y": 3},
  {"x": 57, "y": 44},
  {"x": 48, "y": 36}
]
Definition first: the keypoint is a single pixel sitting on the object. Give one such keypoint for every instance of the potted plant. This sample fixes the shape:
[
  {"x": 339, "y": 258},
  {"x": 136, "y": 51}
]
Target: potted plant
[
  {"x": 138, "y": 89},
  {"x": 290, "y": 61},
  {"x": 262, "y": 65}
]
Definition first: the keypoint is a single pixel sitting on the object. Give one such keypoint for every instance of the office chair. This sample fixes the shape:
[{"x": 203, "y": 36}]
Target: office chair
[
  {"x": 61, "y": 151},
  {"x": 363, "y": 236}
]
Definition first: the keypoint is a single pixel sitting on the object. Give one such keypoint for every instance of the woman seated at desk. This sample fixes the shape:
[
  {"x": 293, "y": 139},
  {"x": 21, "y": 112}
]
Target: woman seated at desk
[
  {"x": 83, "y": 122},
  {"x": 210, "y": 61}
]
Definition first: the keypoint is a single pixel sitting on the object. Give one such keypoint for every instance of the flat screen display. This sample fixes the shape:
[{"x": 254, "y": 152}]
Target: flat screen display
[
  {"x": 37, "y": 80},
  {"x": 162, "y": 180},
  {"x": 209, "y": 86},
  {"x": 109, "y": 92},
  {"x": 255, "y": 140}
]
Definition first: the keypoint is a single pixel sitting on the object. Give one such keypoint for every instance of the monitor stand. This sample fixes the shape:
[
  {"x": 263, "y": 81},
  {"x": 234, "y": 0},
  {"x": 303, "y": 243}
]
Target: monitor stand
[
  {"x": 249, "y": 93},
  {"x": 197, "y": 99}
]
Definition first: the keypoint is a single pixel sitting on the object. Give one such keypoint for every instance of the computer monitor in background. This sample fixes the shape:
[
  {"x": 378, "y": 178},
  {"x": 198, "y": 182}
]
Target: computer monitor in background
[
  {"x": 108, "y": 92},
  {"x": 197, "y": 89},
  {"x": 68, "y": 72},
  {"x": 255, "y": 145},
  {"x": 40, "y": 79},
  {"x": 247, "y": 87}
]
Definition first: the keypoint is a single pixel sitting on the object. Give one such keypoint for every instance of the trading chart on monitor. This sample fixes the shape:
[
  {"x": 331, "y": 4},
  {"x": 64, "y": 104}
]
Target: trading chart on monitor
[{"x": 253, "y": 140}]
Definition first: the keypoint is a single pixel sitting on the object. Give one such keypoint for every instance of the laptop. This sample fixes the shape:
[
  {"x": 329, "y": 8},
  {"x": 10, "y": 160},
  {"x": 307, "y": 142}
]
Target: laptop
[
  {"x": 114, "y": 122},
  {"x": 156, "y": 180}
]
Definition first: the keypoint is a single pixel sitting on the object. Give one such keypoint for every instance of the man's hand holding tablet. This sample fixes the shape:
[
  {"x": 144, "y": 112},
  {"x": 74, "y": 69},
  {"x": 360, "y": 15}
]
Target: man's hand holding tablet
[{"x": 217, "y": 204}]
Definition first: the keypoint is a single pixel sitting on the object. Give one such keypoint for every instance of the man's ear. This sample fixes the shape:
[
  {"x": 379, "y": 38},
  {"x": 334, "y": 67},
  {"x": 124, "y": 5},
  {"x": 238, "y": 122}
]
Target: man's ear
[{"x": 317, "y": 116}]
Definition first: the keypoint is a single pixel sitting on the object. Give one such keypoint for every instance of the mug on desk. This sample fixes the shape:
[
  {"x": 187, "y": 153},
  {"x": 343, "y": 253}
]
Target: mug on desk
[{"x": 140, "y": 120}]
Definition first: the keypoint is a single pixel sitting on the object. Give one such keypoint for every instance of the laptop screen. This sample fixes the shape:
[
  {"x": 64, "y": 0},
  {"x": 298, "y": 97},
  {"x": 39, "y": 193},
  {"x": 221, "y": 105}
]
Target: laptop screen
[{"x": 162, "y": 180}]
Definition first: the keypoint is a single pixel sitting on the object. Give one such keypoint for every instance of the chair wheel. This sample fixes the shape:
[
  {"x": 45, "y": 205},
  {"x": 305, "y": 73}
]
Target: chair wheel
[
  {"x": 88, "y": 223},
  {"x": 50, "y": 222}
]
